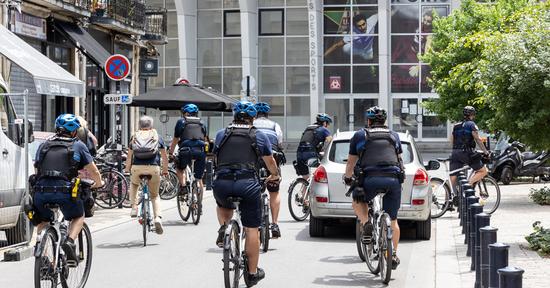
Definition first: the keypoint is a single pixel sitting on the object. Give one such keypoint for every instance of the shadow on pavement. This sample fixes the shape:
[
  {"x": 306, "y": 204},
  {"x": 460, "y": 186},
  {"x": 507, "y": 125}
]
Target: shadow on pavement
[
  {"x": 131, "y": 244},
  {"x": 359, "y": 279},
  {"x": 342, "y": 259},
  {"x": 215, "y": 250},
  {"x": 175, "y": 223},
  {"x": 345, "y": 232}
]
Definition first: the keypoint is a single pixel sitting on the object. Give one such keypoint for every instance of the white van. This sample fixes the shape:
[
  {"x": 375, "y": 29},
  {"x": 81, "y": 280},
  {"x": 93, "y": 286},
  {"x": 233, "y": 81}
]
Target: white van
[{"x": 12, "y": 173}]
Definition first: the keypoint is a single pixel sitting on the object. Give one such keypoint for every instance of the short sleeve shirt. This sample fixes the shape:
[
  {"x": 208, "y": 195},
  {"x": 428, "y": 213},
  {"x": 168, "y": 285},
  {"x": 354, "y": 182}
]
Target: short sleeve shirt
[
  {"x": 467, "y": 128},
  {"x": 271, "y": 129},
  {"x": 81, "y": 155},
  {"x": 178, "y": 130},
  {"x": 154, "y": 161},
  {"x": 358, "y": 141}
]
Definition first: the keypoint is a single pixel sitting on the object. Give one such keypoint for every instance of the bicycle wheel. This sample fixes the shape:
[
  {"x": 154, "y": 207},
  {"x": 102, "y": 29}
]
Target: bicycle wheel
[
  {"x": 44, "y": 272},
  {"x": 488, "y": 192},
  {"x": 372, "y": 257},
  {"x": 169, "y": 186},
  {"x": 358, "y": 243},
  {"x": 195, "y": 209},
  {"x": 183, "y": 205},
  {"x": 264, "y": 227},
  {"x": 386, "y": 249},
  {"x": 232, "y": 256},
  {"x": 108, "y": 197},
  {"x": 144, "y": 219},
  {"x": 441, "y": 193},
  {"x": 298, "y": 204},
  {"x": 78, "y": 276}
]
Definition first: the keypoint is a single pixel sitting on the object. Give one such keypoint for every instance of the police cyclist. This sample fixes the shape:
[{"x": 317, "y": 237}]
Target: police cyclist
[
  {"x": 464, "y": 138},
  {"x": 311, "y": 143},
  {"x": 239, "y": 149},
  {"x": 375, "y": 161},
  {"x": 190, "y": 136},
  {"x": 57, "y": 163},
  {"x": 275, "y": 135}
]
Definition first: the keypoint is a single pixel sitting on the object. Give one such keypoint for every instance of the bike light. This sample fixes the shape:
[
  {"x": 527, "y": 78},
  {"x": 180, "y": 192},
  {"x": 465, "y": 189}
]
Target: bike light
[
  {"x": 418, "y": 202},
  {"x": 321, "y": 199},
  {"x": 320, "y": 175},
  {"x": 420, "y": 178}
]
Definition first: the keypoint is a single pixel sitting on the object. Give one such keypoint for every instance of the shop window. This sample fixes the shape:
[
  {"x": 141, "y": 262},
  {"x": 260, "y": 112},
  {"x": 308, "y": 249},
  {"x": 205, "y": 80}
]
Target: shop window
[
  {"x": 297, "y": 116},
  {"x": 271, "y": 51},
  {"x": 365, "y": 79},
  {"x": 339, "y": 110},
  {"x": 232, "y": 81},
  {"x": 209, "y": 24},
  {"x": 405, "y": 112},
  {"x": 405, "y": 78},
  {"x": 297, "y": 21},
  {"x": 404, "y": 19},
  {"x": 425, "y": 73},
  {"x": 360, "y": 107},
  {"x": 336, "y": 51},
  {"x": 337, "y": 79},
  {"x": 232, "y": 52},
  {"x": 428, "y": 16},
  {"x": 209, "y": 4},
  {"x": 210, "y": 77},
  {"x": 271, "y": 22},
  {"x": 271, "y": 80},
  {"x": 336, "y": 20},
  {"x": 209, "y": 52},
  {"x": 232, "y": 23},
  {"x": 297, "y": 80},
  {"x": 404, "y": 49},
  {"x": 297, "y": 52}
]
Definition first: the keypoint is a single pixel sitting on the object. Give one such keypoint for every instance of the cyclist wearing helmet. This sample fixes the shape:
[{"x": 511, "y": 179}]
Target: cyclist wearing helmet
[
  {"x": 275, "y": 136},
  {"x": 190, "y": 136},
  {"x": 375, "y": 162},
  {"x": 57, "y": 163},
  {"x": 464, "y": 138},
  {"x": 311, "y": 143},
  {"x": 239, "y": 149}
]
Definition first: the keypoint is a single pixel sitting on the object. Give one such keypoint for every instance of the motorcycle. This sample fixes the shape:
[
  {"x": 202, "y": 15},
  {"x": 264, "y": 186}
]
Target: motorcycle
[{"x": 513, "y": 162}]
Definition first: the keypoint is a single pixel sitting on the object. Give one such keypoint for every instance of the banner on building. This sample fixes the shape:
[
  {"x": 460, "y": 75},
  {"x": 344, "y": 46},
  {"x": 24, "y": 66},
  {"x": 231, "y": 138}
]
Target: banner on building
[{"x": 28, "y": 25}]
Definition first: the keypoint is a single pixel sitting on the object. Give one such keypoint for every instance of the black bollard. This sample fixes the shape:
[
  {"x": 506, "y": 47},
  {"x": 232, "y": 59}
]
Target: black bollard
[
  {"x": 467, "y": 193},
  {"x": 470, "y": 238},
  {"x": 481, "y": 220},
  {"x": 498, "y": 258},
  {"x": 469, "y": 201},
  {"x": 510, "y": 277},
  {"x": 460, "y": 192},
  {"x": 487, "y": 236},
  {"x": 209, "y": 174}
]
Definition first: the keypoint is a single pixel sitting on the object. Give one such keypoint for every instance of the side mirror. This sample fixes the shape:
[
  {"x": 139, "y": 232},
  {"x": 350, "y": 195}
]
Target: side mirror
[
  {"x": 19, "y": 131},
  {"x": 432, "y": 165}
]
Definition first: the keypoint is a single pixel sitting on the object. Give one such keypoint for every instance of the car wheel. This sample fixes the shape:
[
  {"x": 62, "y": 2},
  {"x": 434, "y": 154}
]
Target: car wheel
[
  {"x": 316, "y": 227},
  {"x": 424, "y": 229},
  {"x": 22, "y": 232},
  {"x": 506, "y": 175}
]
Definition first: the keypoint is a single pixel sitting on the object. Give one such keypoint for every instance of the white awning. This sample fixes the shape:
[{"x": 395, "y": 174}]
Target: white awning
[{"x": 49, "y": 78}]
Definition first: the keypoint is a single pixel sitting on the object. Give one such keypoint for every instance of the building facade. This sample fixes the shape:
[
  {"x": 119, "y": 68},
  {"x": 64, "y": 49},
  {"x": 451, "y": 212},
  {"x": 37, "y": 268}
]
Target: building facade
[{"x": 310, "y": 56}]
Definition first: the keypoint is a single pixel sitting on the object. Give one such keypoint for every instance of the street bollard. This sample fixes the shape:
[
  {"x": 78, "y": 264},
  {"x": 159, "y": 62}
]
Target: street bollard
[
  {"x": 469, "y": 201},
  {"x": 470, "y": 239},
  {"x": 481, "y": 220},
  {"x": 460, "y": 192},
  {"x": 209, "y": 174},
  {"x": 510, "y": 277},
  {"x": 487, "y": 236},
  {"x": 498, "y": 258},
  {"x": 464, "y": 216}
]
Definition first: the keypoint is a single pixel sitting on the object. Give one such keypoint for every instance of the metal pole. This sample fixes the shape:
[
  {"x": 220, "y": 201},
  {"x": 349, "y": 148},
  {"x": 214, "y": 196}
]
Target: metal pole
[
  {"x": 467, "y": 193},
  {"x": 473, "y": 209},
  {"x": 26, "y": 133},
  {"x": 510, "y": 277},
  {"x": 469, "y": 201},
  {"x": 488, "y": 236},
  {"x": 481, "y": 220}
]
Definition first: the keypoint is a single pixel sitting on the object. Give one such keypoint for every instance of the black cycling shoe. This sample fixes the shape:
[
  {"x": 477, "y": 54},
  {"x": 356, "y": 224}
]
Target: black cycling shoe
[
  {"x": 221, "y": 234},
  {"x": 253, "y": 279},
  {"x": 395, "y": 261},
  {"x": 275, "y": 231},
  {"x": 70, "y": 251},
  {"x": 366, "y": 237}
]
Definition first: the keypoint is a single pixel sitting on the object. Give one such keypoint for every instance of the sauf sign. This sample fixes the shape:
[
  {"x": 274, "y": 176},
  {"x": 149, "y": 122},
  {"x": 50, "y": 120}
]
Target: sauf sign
[{"x": 117, "y": 99}]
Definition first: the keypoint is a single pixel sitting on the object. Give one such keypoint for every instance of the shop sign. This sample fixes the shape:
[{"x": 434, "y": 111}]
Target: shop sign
[
  {"x": 335, "y": 83},
  {"x": 28, "y": 25}
]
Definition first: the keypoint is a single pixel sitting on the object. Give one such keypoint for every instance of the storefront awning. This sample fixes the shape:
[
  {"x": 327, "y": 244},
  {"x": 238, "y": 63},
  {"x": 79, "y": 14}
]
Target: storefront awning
[
  {"x": 49, "y": 78},
  {"x": 85, "y": 42}
]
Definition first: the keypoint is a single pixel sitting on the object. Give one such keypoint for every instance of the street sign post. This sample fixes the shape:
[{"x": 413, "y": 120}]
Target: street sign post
[
  {"x": 123, "y": 99},
  {"x": 117, "y": 67}
]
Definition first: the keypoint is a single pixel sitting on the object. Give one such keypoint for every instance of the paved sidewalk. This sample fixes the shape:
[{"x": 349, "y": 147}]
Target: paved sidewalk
[{"x": 514, "y": 219}]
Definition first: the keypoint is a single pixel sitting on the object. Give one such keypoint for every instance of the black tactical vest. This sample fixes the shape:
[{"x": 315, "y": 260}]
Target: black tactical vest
[
  {"x": 462, "y": 139},
  {"x": 238, "y": 148},
  {"x": 379, "y": 148},
  {"x": 56, "y": 159},
  {"x": 309, "y": 137},
  {"x": 192, "y": 129}
]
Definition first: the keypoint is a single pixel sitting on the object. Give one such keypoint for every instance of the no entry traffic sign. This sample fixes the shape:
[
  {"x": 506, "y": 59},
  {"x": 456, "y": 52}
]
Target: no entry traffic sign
[{"x": 117, "y": 67}]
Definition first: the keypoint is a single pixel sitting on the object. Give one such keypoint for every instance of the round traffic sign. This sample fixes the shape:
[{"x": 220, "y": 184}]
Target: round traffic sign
[{"x": 117, "y": 67}]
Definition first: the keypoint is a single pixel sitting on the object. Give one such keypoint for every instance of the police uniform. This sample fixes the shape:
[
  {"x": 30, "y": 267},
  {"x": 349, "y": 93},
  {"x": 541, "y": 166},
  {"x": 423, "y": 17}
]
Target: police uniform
[
  {"x": 238, "y": 150},
  {"x": 378, "y": 149},
  {"x": 57, "y": 162},
  {"x": 464, "y": 147},
  {"x": 309, "y": 146},
  {"x": 275, "y": 135},
  {"x": 191, "y": 132}
]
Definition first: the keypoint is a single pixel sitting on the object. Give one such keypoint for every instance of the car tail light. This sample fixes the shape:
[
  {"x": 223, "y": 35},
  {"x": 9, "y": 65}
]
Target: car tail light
[
  {"x": 418, "y": 202},
  {"x": 321, "y": 199},
  {"x": 320, "y": 175},
  {"x": 420, "y": 178}
]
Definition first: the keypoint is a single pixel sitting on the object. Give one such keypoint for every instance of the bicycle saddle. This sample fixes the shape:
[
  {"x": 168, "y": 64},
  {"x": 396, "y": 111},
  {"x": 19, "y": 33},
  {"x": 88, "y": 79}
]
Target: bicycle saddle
[
  {"x": 145, "y": 176},
  {"x": 234, "y": 199}
]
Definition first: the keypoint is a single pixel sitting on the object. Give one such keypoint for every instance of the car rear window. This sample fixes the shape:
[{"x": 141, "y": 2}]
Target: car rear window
[{"x": 339, "y": 151}]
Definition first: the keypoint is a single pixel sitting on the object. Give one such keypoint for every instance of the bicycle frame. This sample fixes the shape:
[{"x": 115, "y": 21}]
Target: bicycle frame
[
  {"x": 377, "y": 204},
  {"x": 55, "y": 224},
  {"x": 145, "y": 200}
]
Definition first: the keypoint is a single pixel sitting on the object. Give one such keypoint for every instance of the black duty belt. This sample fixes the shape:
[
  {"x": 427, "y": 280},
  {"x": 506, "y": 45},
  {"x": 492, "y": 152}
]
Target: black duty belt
[
  {"x": 52, "y": 189},
  {"x": 381, "y": 174},
  {"x": 235, "y": 176}
]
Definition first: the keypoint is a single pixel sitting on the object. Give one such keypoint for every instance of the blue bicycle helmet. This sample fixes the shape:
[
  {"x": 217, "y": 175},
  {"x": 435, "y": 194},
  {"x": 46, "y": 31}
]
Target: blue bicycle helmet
[
  {"x": 323, "y": 117},
  {"x": 376, "y": 113},
  {"x": 69, "y": 122},
  {"x": 244, "y": 107},
  {"x": 190, "y": 108},
  {"x": 262, "y": 107}
]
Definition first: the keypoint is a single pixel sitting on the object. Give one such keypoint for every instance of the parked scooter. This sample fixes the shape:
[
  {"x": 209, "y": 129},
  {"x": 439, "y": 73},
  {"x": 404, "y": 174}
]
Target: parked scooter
[{"x": 512, "y": 162}]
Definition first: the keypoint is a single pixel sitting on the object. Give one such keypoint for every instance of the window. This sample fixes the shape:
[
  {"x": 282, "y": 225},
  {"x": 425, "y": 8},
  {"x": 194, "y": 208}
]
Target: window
[
  {"x": 271, "y": 22},
  {"x": 271, "y": 51},
  {"x": 209, "y": 23},
  {"x": 231, "y": 23},
  {"x": 7, "y": 118}
]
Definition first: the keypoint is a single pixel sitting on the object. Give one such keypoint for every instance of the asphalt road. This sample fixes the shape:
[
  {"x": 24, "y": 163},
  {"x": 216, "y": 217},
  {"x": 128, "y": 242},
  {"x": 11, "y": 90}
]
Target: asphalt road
[{"x": 185, "y": 256}]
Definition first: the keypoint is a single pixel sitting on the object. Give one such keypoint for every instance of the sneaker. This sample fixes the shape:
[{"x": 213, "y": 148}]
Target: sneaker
[
  {"x": 221, "y": 234},
  {"x": 395, "y": 261},
  {"x": 253, "y": 279},
  {"x": 366, "y": 237},
  {"x": 133, "y": 212},
  {"x": 275, "y": 231},
  {"x": 70, "y": 251},
  {"x": 158, "y": 225}
]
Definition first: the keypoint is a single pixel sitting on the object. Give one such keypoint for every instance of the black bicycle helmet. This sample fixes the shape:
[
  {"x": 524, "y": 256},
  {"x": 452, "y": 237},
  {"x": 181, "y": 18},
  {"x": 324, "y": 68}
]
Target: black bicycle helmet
[
  {"x": 469, "y": 111},
  {"x": 376, "y": 113}
]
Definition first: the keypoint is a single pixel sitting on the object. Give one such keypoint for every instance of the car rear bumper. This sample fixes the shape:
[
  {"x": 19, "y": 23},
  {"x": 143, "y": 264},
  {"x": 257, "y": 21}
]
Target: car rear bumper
[{"x": 345, "y": 210}]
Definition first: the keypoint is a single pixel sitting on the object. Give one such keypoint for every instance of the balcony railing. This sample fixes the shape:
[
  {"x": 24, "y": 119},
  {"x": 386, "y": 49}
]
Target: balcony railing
[
  {"x": 127, "y": 12},
  {"x": 156, "y": 26},
  {"x": 83, "y": 4}
]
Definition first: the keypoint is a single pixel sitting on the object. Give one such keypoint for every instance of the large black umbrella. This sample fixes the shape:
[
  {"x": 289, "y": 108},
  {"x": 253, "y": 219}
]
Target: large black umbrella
[{"x": 173, "y": 97}]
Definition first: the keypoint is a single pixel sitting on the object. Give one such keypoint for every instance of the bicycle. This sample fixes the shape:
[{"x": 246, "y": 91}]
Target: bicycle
[
  {"x": 298, "y": 194},
  {"x": 190, "y": 202},
  {"x": 265, "y": 235},
  {"x": 169, "y": 184},
  {"x": 108, "y": 196},
  {"x": 378, "y": 253},
  {"x": 51, "y": 266},
  {"x": 145, "y": 209},
  {"x": 445, "y": 195}
]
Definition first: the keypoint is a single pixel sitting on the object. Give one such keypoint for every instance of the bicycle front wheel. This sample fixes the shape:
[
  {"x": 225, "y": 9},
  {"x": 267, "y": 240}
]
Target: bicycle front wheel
[
  {"x": 264, "y": 227},
  {"x": 298, "y": 204},
  {"x": 441, "y": 193},
  {"x": 78, "y": 276},
  {"x": 232, "y": 257},
  {"x": 183, "y": 205},
  {"x": 114, "y": 192},
  {"x": 488, "y": 192},
  {"x": 144, "y": 219},
  {"x": 45, "y": 275},
  {"x": 169, "y": 186},
  {"x": 386, "y": 249},
  {"x": 195, "y": 203}
]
